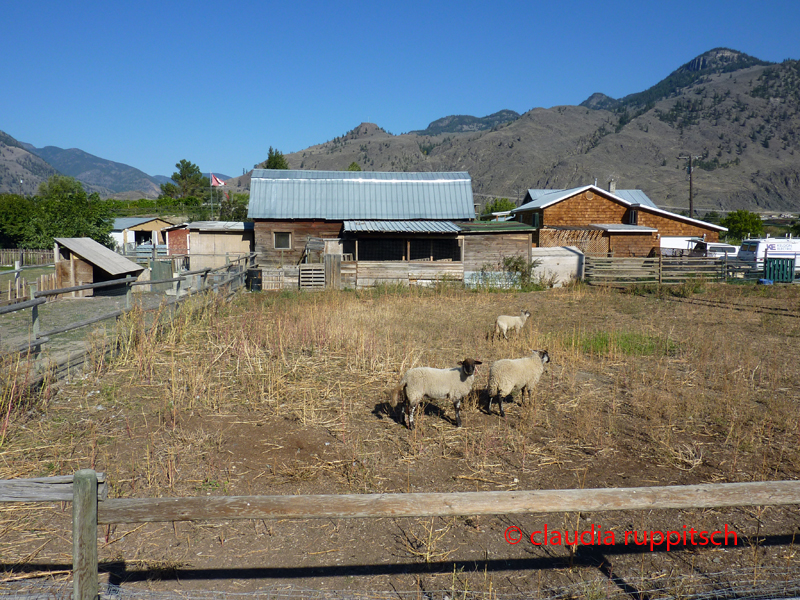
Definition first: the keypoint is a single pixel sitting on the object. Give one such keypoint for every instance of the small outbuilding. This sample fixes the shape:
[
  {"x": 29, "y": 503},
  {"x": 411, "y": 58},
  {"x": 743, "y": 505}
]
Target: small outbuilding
[
  {"x": 129, "y": 232},
  {"x": 81, "y": 261}
]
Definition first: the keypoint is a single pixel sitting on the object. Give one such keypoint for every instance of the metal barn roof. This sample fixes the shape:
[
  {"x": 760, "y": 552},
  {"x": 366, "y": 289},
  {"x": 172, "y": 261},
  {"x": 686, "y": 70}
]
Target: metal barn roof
[
  {"x": 360, "y": 195},
  {"x": 544, "y": 198},
  {"x": 401, "y": 227},
  {"x": 100, "y": 256},
  {"x": 128, "y": 222}
]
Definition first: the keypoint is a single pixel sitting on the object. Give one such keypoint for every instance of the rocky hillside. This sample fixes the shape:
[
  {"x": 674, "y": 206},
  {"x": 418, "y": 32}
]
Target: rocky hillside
[
  {"x": 113, "y": 177},
  {"x": 21, "y": 172},
  {"x": 738, "y": 115}
]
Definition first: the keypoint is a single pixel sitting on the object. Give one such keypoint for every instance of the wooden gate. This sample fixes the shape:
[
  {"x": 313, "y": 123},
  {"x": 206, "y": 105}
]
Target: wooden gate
[{"x": 312, "y": 277}]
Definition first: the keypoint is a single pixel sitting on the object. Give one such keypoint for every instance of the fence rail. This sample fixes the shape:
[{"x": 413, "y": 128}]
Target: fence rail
[
  {"x": 664, "y": 270},
  {"x": 91, "y": 509},
  {"x": 26, "y": 257}
]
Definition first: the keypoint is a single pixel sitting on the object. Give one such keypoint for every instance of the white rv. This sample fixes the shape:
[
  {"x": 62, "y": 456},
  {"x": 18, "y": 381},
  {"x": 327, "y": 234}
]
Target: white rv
[{"x": 754, "y": 251}]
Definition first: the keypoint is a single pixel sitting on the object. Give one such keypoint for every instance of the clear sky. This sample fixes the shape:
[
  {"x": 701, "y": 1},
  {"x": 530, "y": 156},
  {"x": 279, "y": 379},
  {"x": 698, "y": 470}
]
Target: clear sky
[{"x": 150, "y": 83}]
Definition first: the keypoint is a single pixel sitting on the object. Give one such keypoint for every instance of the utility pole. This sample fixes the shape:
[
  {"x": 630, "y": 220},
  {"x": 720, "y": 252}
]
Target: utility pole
[{"x": 690, "y": 158}]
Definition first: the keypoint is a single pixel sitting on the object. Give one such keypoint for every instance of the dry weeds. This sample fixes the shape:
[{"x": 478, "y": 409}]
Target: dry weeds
[{"x": 287, "y": 393}]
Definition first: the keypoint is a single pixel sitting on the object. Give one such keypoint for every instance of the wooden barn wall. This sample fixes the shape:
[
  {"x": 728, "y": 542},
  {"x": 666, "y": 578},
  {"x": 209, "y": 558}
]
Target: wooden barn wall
[
  {"x": 490, "y": 249},
  {"x": 582, "y": 210},
  {"x": 370, "y": 273},
  {"x": 667, "y": 226},
  {"x": 300, "y": 230},
  {"x": 629, "y": 244},
  {"x": 83, "y": 274}
]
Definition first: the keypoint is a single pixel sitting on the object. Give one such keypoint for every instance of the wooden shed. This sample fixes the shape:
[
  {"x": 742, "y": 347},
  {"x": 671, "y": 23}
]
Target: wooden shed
[
  {"x": 81, "y": 261},
  {"x": 129, "y": 232},
  {"x": 605, "y": 222}
]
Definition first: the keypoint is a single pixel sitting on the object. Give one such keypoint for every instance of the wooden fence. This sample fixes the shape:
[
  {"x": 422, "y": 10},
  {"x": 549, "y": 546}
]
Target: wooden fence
[
  {"x": 26, "y": 258},
  {"x": 227, "y": 279},
  {"x": 91, "y": 507},
  {"x": 663, "y": 270}
]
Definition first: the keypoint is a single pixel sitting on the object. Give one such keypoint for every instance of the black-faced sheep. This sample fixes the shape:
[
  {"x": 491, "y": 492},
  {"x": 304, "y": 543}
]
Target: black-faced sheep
[
  {"x": 505, "y": 322},
  {"x": 421, "y": 382},
  {"x": 509, "y": 374}
]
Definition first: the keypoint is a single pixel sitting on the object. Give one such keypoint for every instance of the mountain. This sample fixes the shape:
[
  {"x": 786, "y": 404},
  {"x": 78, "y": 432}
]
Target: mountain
[
  {"x": 113, "y": 177},
  {"x": 21, "y": 172},
  {"x": 464, "y": 123},
  {"x": 738, "y": 115}
]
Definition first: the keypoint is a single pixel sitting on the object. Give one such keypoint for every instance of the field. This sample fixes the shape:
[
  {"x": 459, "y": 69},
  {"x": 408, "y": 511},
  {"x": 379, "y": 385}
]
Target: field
[{"x": 287, "y": 394}]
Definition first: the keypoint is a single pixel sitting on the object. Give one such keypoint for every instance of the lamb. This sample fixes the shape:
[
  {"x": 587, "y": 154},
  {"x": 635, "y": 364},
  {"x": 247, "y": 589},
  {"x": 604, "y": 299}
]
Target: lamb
[
  {"x": 417, "y": 383},
  {"x": 507, "y": 375},
  {"x": 505, "y": 322}
]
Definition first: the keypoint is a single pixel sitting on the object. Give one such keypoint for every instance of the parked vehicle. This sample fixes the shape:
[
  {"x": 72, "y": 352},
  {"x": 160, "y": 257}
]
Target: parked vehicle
[
  {"x": 754, "y": 251},
  {"x": 714, "y": 250}
]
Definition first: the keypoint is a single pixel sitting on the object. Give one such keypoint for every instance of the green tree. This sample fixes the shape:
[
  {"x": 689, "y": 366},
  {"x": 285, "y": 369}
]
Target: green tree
[
  {"x": 234, "y": 207},
  {"x": 189, "y": 182},
  {"x": 275, "y": 160},
  {"x": 741, "y": 223},
  {"x": 498, "y": 205},
  {"x": 63, "y": 209},
  {"x": 354, "y": 166},
  {"x": 15, "y": 216}
]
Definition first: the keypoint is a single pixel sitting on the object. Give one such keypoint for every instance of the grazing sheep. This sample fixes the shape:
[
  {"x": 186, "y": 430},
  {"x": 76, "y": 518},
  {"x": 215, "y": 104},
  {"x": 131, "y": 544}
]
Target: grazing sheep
[
  {"x": 505, "y": 322},
  {"x": 509, "y": 374},
  {"x": 417, "y": 383}
]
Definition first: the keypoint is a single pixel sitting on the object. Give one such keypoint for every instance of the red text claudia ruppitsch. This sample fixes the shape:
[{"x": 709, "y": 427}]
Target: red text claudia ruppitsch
[{"x": 597, "y": 536}]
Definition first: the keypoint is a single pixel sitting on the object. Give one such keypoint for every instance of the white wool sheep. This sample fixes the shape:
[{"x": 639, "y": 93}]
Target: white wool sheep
[
  {"x": 417, "y": 383},
  {"x": 510, "y": 374},
  {"x": 505, "y": 322}
]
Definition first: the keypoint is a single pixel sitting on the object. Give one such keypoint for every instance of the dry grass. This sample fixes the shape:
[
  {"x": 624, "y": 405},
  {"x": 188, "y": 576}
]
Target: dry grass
[{"x": 287, "y": 393}]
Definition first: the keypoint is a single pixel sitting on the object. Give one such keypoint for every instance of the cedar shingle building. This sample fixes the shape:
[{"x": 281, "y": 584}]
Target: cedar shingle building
[{"x": 618, "y": 222}]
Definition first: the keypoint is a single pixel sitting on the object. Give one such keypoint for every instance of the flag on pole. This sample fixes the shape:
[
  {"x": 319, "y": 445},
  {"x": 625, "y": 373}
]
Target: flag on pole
[{"x": 216, "y": 181}]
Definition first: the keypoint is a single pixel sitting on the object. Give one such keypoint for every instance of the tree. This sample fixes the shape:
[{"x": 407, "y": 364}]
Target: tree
[
  {"x": 498, "y": 205},
  {"x": 63, "y": 209},
  {"x": 354, "y": 166},
  {"x": 189, "y": 182},
  {"x": 275, "y": 160},
  {"x": 15, "y": 216},
  {"x": 741, "y": 223},
  {"x": 234, "y": 207}
]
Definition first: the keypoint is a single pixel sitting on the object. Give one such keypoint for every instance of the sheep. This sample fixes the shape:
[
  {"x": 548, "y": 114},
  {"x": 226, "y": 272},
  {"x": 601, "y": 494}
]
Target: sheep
[
  {"x": 507, "y": 375},
  {"x": 419, "y": 382},
  {"x": 505, "y": 322}
]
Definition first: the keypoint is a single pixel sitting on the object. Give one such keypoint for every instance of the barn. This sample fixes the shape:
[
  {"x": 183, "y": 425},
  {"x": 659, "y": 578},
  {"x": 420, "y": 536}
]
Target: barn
[
  {"x": 606, "y": 222},
  {"x": 379, "y": 226}
]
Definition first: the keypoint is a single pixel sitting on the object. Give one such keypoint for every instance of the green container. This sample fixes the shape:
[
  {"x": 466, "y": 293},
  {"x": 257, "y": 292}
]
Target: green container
[{"x": 779, "y": 270}]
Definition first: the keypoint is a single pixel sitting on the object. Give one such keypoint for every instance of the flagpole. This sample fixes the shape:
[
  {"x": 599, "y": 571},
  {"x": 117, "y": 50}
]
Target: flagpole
[{"x": 211, "y": 186}]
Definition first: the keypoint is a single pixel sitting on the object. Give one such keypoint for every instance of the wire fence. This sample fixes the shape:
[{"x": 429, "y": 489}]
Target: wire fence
[{"x": 743, "y": 584}]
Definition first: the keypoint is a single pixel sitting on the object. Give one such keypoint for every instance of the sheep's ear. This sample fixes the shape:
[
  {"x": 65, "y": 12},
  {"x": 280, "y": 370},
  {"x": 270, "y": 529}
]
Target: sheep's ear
[{"x": 478, "y": 362}]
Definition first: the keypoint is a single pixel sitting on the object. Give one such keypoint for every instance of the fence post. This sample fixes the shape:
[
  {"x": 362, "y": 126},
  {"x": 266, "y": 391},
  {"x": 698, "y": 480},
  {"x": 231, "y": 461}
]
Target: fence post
[
  {"x": 84, "y": 535},
  {"x": 660, "y": 266},
  {"x": 35, "y": 325},
  {"x": 129, "y": 295}
]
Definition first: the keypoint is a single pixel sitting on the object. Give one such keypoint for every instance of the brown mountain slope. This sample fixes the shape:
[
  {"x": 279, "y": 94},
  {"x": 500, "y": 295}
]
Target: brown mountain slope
[{"x": 743, "y": 125}]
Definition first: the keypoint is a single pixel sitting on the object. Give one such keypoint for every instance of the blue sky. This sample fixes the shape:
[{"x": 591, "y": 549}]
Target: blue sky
[{"x": 150, "y": 83}]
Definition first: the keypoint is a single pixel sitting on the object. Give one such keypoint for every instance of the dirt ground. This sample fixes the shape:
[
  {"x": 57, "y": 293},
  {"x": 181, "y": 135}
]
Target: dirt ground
[{"x": 287, "y": 394}]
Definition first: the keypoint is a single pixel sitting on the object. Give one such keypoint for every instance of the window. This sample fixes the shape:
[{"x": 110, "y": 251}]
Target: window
[
  {"x": 633, "y": 217},
  {"x": 283, "y": 240}
]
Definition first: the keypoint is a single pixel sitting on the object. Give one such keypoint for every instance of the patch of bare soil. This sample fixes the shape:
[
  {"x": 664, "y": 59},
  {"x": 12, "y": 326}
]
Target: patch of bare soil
[{"x": 288, "y": 395}]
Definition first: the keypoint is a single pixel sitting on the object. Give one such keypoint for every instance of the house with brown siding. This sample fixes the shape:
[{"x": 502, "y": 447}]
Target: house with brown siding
[
  {"x": 606, "y": 222},
  {"x": 387, "y": 226}
]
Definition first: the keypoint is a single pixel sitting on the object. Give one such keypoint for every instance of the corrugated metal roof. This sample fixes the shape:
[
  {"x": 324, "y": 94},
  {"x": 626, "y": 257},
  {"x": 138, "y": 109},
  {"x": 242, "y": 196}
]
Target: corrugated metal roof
[
  {"x": 360, "y": 195},
  {"x": 99, "y": 255},
  {"x": 401, "y": 227},
  {"x": 623, "y": 228},
  {"x": 544, "y": 198},
  {"x": 495, "y": 226},
  {"x": 128, "y": 222},
  {"x": 219, "y": 226}
]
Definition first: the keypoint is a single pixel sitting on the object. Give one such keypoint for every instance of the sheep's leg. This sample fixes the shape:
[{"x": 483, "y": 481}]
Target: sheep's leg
[
  {"x": 500, "y": 404},
  {"x": 409, "y": 415},
  {"x": 457, "y": 405}
]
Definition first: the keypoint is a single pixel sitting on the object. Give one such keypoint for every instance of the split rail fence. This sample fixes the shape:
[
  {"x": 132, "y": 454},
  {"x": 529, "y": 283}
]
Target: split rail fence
[
  {"x": 91, "y": 507},
  {"x": 227, "y": 278}
]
